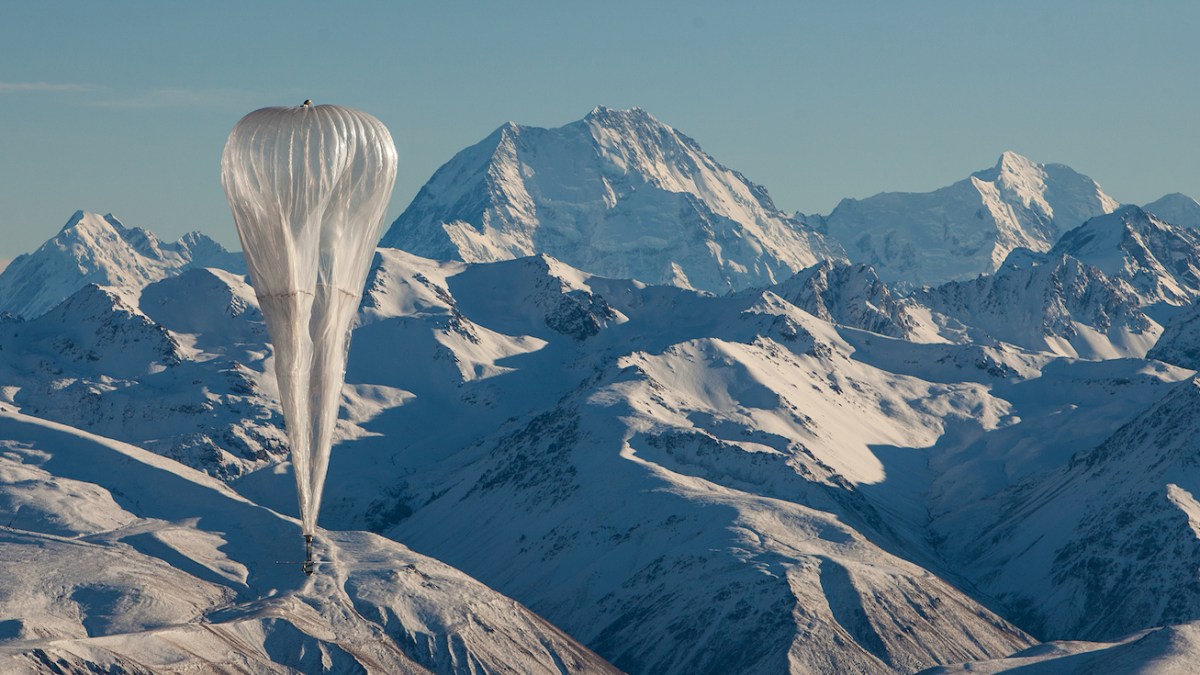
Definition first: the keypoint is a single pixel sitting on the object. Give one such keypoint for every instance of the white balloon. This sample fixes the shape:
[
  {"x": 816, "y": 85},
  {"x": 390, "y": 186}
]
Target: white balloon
[{"x": 308, "y": 187}]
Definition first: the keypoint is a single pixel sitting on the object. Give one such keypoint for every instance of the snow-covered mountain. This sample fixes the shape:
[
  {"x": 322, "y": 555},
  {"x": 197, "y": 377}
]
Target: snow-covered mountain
[
  {"x": 968, "y": 228},
  {"x": 617, "y": 193},
  {"x": 1104, "y": 545},
  {"x": 683, "y": 482},
  {"x": 93, "y": 249},
  {"x": 1049, "y": 302},
  {"x": 690, "y": 448},
  {"x": 853, "y": 295},
  {"x": 1176, "y": 208},
  {"x": 1159, "y": 260},
  {"x": 577, "y": 418},
  {"x": 1093, "y": 295},
  {"x": 810, "y": 474},
  {"x": 1180, "y": 340},
  {"x": 118, "y": 560},
  {"x": 191, "y": 383}
]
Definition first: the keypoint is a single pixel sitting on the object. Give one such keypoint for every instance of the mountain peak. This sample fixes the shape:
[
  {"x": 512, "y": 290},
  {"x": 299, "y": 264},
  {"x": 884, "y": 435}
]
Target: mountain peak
[
  {"x": 1176, "y": 208},
  {"x": 1131, "y": 212},
  {"x": 967, "y": 228},
  {"x": 617, "y": 194},
  {"x": 1011, "y": 162},
  {"x": 603, "y": 112},
  {"x": 1160, "y": 260},
  {"x": 611, "y": 126},
  {"x": 92, "y": 222},
  {"x": 74, "y": 220},
  {"x": 1127, "y": 219},
  {"x": 100, "y": 250}
]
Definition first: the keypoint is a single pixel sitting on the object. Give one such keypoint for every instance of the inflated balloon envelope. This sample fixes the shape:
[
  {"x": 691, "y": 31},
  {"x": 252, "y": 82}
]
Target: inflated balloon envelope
[{"x": 308, "y": 186}]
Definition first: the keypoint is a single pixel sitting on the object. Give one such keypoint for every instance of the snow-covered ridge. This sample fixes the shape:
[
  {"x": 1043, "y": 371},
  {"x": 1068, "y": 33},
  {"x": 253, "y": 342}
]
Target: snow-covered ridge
[
  {"x": 968, "y": 228},
  {"x": 94, "y": 249},
  {"x": 1159, "y": 260},
  {"x": 618, "y": 194},
  {"x": 853, "y": 295},
  {"x": 1049, "y": 302},
  {"x": 1107, "y": 543}
]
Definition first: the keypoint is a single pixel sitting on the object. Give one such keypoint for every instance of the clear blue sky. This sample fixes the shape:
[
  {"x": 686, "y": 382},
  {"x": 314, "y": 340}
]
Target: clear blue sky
[{"x": 124, "y": 107}]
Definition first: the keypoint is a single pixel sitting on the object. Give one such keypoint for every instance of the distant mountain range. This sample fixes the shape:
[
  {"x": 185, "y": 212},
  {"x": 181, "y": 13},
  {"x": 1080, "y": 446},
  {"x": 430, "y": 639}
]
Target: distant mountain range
[
  {"x": 100, "y": 250},
  {"x": 617, "y": 193},
  {"x": 628, "y": 416},
  {"x": 969, "y": 228}
]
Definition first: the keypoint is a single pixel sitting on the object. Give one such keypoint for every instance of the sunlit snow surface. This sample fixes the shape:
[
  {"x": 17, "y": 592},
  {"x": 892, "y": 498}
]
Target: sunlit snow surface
[
  {"x": 814, "y": 475},
  {"x": 659, "y": 472},
  {"x": 617, "y": 193},
  {"x": 968, "y": 228},
  {"x": 192, "y": 581}
]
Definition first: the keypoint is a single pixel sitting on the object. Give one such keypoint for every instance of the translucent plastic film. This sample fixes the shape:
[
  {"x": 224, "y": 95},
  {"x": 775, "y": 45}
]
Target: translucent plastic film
[{"x": 308, "y": 187}]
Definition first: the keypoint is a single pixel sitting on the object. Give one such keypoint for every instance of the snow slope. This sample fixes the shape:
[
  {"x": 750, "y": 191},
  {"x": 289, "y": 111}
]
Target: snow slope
[
  {"x": 1176, "y": 208},
  {"x": 93, "y": 249},
  {"x": 617, "y": 480},
  {"x": 1180, "y": 340},
  {"x": 1173, "y": 650},
  {"x": 1103, "y": 545},
  {"x": 118, "y": 560},
  {"x": 617, "y": 193},
  {"x": 616, "y": 455},
  {"x": 968, "y": 228}
]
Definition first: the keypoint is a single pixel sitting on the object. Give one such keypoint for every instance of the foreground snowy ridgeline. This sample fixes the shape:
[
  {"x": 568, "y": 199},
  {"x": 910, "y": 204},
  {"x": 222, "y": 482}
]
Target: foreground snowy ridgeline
[{"x": 784, "y": 454}]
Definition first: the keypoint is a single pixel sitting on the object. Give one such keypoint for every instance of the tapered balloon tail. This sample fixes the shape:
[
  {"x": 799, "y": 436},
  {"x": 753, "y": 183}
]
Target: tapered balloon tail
[{"x": 309, "y": 565}]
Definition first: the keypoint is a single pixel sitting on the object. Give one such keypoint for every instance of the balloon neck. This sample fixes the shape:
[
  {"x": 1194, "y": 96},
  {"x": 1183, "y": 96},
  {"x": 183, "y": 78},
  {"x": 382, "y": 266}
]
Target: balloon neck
[{"x": 309, "y": 565}]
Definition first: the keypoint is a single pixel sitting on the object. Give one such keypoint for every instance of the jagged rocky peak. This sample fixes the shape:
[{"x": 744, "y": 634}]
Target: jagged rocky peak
[
  {"x": 618, "y": 194},
  {"x": 1176, "y": 208},
  {"x": 1050, "y": 302},
  {"x": 1159, "y": 260},
  {"x": 960, "y": 231},
  {"x": 851, "y": 295},
  {"x": 99, "y": 249},
  {"x": 1103, "y": 233}
]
